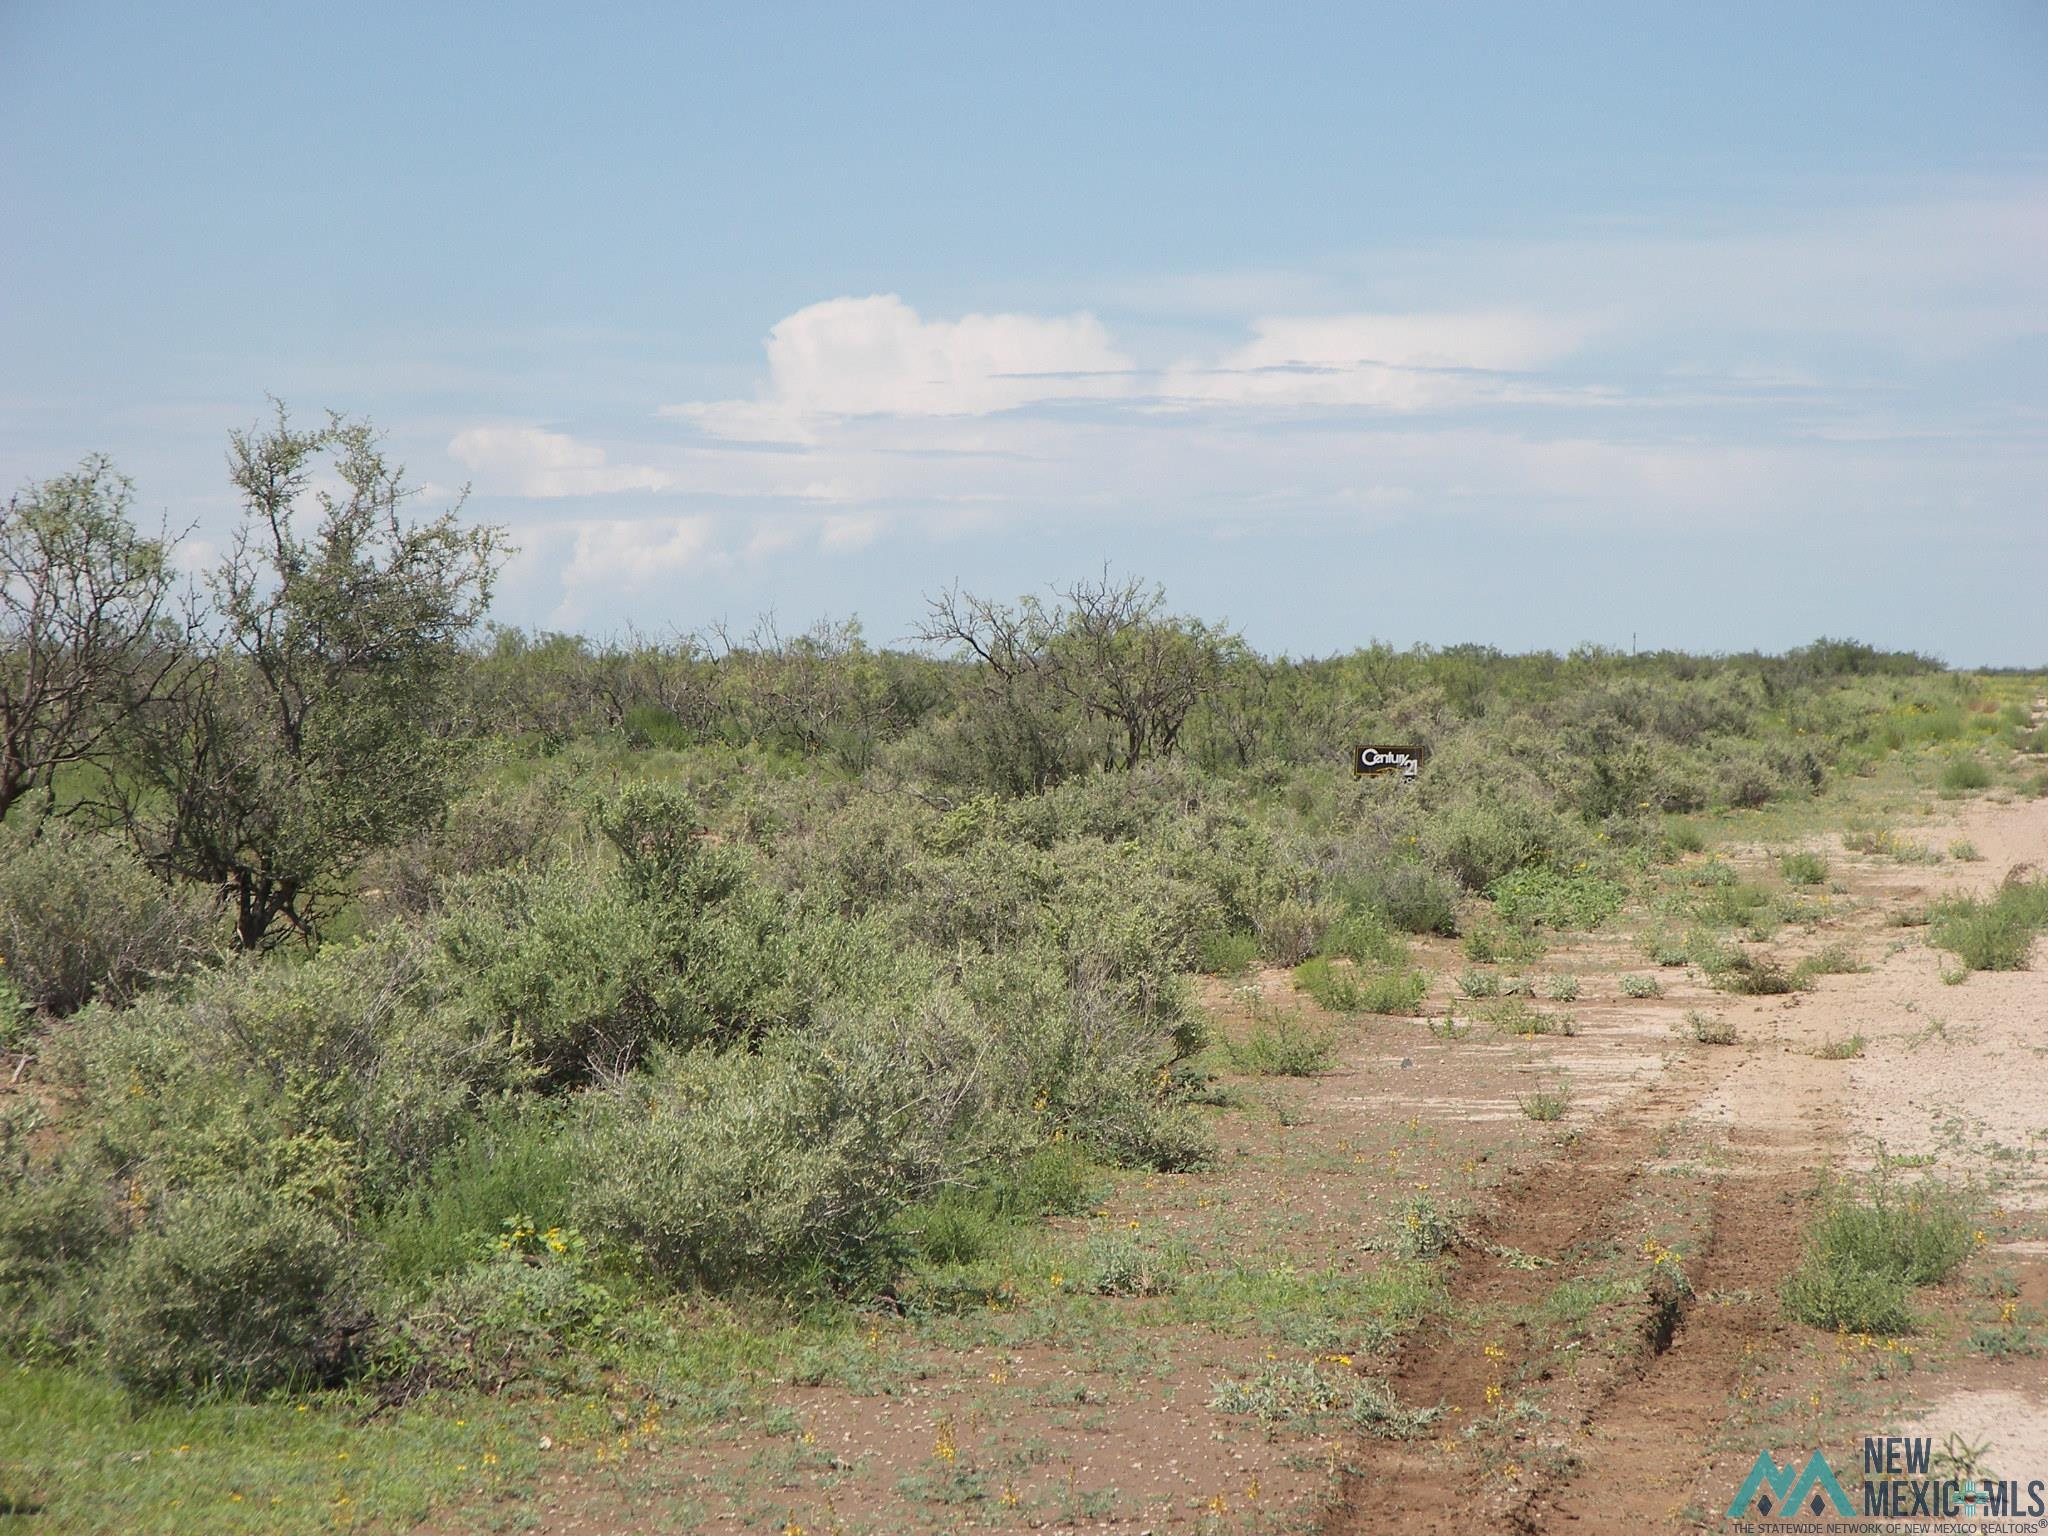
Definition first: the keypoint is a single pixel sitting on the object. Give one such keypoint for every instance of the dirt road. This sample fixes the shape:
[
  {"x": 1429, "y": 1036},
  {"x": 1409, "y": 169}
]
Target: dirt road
[{"x": 1657, "y": 1437}]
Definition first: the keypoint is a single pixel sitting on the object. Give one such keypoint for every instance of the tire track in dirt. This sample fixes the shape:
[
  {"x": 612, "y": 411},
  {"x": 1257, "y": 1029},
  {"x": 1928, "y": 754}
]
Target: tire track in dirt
[
  {"x": 1569, "y": 1211},
  {"x": 1639, "y": 1441},
  {"x": 1645, "y": 1447}
]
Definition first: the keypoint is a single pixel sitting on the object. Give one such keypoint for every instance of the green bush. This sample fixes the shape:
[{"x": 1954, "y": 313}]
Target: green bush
[
  {"x": 1286, "y": 1047},
  {"x": 649, "y": 725},
  {"x": 81, "y": 918},
  {"x": 329, "y": 1080},
  {"x": 1334, "y": 989},
  {"x": 227, "y": 1293},
  {"x": 1364, "y": 939},
  {"x": 1291, "y": 928},
  {"x": 1395, "y": 991},
  {"x": 1641, "y": 986},
  {"x": 1995, "y": 933},
  {"x": 1754, "y": 974},
  {"x": 509, "y": 1315},
  {"x": 1481, "y": 843},
  {"x": 1869, "y": 1250},
  {"x": 1804, "y": 868},
  {"x": 780, "y": 1168},
  {"x": 1227, "y": 952},
  {"x": 1415, "y": 898},
  {"x": 1121, "y": 1266},
  {"x": 57, "y": 1222},
  {"x": 1553, "y": 899},
  {"x": 1479, "y": 984},
  {"x": 1835, "y": 1293},
  {"x": 495, "y": 826},
  {"x": 1964, "y": 774}
]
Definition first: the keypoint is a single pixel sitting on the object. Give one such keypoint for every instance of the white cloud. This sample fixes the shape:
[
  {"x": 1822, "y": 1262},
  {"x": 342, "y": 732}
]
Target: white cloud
[
  {"x": 877, "y": 356},
  {"x": 1389, "y": 361},
  {"x": 612, "y": 559},
  {"x": 1772, "y": 374},
  {"x": 631, "y": 554},
  {"x": 532, "y": 461}
]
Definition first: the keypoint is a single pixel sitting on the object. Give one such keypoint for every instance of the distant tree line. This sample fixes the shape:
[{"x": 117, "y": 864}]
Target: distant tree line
[{"x": 262, "y": 728}]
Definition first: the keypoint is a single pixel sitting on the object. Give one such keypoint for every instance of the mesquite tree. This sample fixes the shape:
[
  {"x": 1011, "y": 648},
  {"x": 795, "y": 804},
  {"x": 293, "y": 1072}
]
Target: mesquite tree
[
  {"x": 297, "y": 739},
  {"x": 82, "y": 598}
]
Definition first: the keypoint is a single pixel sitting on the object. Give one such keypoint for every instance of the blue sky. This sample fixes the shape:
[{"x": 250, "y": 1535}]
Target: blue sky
[{"x": 1713, "y": 327}]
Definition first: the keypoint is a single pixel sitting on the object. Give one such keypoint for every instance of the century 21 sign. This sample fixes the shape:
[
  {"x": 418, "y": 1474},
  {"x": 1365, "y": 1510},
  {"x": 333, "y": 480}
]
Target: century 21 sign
[{"x": 1405, "y": 761}]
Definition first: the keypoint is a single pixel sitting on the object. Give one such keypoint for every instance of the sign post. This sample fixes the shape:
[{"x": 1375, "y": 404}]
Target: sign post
[{"x": 1375, "y": 761}]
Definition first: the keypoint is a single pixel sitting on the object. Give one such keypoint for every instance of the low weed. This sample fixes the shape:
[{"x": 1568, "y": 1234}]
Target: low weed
[
  {"x": 1364, "y": 939},
  {"x": 1846, "y": 1048},
  {"x": 1349, "y": 990},
  {"x": 1302, "y": 1394},
  {"x": 1516, "y": 943},
  {"x": 1803, "y": 868},
  {"x": 1754, "y": 974},
  {"x": 1549, "y": 898},
  {"x": 1709, "y": 1028},
  {"x": 1513, "y": 1016},
  {"x": 1476, "y": 983},
  {"x": 1563, "y": 988},
  {"x": 1284, "y": 1047},
  {"x": 1871, "y": 1248},
  {"x": 1665, "y": 950},
  {"x": 1547, "y": 1105},
  {"x": 1641, "y": 986},
  {"x": 1427, "y": 1228},
  {"x": 1121, "y": 1266}
]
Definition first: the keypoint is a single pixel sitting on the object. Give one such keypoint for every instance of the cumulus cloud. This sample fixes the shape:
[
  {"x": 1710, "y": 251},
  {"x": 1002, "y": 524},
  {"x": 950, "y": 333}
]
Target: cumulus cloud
[
  {"x": 1746, "y": 374},
  {"x": 598, "y": 566},
  {"x": 876, "y": 356},
  {"x": 532, "y": 461}
]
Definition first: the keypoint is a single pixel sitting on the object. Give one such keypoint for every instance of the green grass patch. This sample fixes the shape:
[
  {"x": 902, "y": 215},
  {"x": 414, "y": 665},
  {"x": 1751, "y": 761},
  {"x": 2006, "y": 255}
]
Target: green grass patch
[
  {"x": 1803, "y": 868},
  {"x": 1227, "y": 951},
  {"x": 1285, "y": 1046},
  {"x": 1346, "y": 989},
  {"x": 1994, "y": 933},
  {"x": 1322, "y": 1310},
  {"x": 1871, "y": 1248},
  {"x": 1549, "y": 898},
  {"x": 76, "y": 1448},
  {"x": 1514, "y": 1016},
  {"x": 1964, "y": 774}
]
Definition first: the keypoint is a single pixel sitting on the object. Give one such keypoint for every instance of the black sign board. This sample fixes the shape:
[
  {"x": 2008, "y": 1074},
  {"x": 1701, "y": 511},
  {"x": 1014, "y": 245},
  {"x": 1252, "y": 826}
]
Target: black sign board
[{"x": 1406, "y": 761}]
